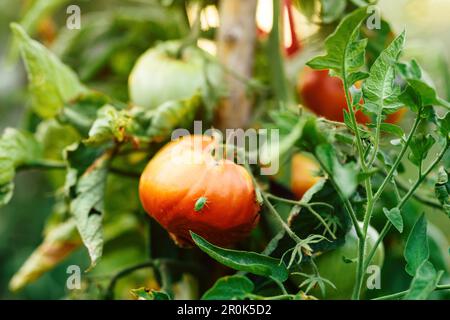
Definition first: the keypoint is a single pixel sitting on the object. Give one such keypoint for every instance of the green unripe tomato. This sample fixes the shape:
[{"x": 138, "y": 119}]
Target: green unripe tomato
[
  {"x": 159, "y": 75},
  {"x": 332, "y": 266}
]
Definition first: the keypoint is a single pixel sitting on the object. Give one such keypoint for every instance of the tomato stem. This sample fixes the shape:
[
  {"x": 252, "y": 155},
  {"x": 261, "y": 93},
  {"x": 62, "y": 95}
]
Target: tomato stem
[
  {"x": 193, "y": 35},
  {"x": 271, "y": 208},
  {"x": 277, "y": 216},
  {"x": 403, "y": 293},
  {"x": 420, "y": 179},
  {"x": 398, "y": 160},
  {"x": 155, "y": 264},
  {"x": 348, "y": 206}
]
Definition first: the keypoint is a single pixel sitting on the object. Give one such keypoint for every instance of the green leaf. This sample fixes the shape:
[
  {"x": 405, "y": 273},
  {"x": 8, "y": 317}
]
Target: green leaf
[
  {"x": 229, "y": 288},
  {"x": 380, "y": 89},
  {"x": 313, "y": 135},
  {"x": 395, "y": 217},
  {"x": 290, "y": 127},
  {"x": 410, "y": 70},
  {"x": 392, "y": 129},
  {"x": 442, "y": 190},
  {"x": 172, "y": 115},
  {"x": 51, "y": 82},
  {"x": 244, "y": 261},
  {"x": 59, "y": 242},
  {"x": 85, "y": 185},
  {"x": 110, "y": 124},
  {"x": 345, "y": 176},
  {"x": 81, "y": 113},
  {"x": 46, "y": 132},
  {"x": 332, "y": 10},
  {"x": 6, "y": 193},
  {"x": 427, "y": 94},
  {"x": 420, "y": 145},
  {"x": 344, "y": 51},
  {"x": 417, "y": 248},
  {"x": 17, "y": 148},
  {"x": 424, "y": 282},
  {"x": 420, "y": 92},
  {"x": 145, "y": 294},
  {"x": 34, "y": 14},
  {"x": 444, "y": 126}
]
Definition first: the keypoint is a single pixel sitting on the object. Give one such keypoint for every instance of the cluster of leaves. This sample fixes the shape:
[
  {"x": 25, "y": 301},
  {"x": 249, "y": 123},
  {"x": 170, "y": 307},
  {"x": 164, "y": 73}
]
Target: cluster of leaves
[
  {"x": 96, "y": 134},
  {"x": 388, "y": 86}
]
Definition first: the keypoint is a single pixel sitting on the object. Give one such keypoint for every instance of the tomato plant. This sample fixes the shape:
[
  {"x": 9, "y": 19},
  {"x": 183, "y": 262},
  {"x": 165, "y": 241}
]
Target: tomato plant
[{"x": 139, "y": 131}]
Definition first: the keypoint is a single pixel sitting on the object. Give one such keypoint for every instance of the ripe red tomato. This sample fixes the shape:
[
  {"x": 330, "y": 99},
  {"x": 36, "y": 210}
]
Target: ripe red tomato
[
  {"x": 303, "y": 174},
  {"x": 324, "y": 95},
  {"x": 185, "y": 188}
]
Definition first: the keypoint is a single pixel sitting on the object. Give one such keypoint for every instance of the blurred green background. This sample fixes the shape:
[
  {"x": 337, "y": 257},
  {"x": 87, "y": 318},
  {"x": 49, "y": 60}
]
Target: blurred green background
[{"x": 22, "y": 221}]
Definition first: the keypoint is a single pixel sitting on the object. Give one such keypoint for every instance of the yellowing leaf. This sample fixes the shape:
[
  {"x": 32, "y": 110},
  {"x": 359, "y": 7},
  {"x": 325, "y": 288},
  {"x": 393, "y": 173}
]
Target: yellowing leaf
[{"x": 59, "y": 243}]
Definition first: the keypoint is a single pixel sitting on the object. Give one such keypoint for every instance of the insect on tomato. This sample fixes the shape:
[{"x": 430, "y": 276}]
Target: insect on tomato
[
  {"x": 201, "y": 202},
  {"x": 184, "y": 179}
]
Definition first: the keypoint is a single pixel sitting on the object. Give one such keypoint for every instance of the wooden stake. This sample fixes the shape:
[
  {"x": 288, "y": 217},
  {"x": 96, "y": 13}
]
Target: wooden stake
[{"x": 236, "y": 46}]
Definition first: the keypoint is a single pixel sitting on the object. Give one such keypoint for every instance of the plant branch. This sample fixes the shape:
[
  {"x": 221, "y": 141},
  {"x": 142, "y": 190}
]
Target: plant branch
[
  {"x": 193, "y": 34},
  {"x": 308, "y": 206},
  {"x": 60, "y": 165},
  {"x": 421, "y": 198},
  {"x": 403, "y": 293},
  {"x": 109, "y": 295},
  {"x": 377, "y": 139},
  {"x": 398, "y": 160},
  {"x": 371, "y": 200},
  {"x": 125, "y": 173},
  {"x": 279, "y": 297},
  {"x": 403, "y": 201},
  {"x": 157, "y": 265},
  {"x": 44, "y": 164},
  {"x": 280, "y": 220},
  {"x": 271, "y": 208},
  {"x": 359, "y": 145},
  {"x": 348, "y": 206}
]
